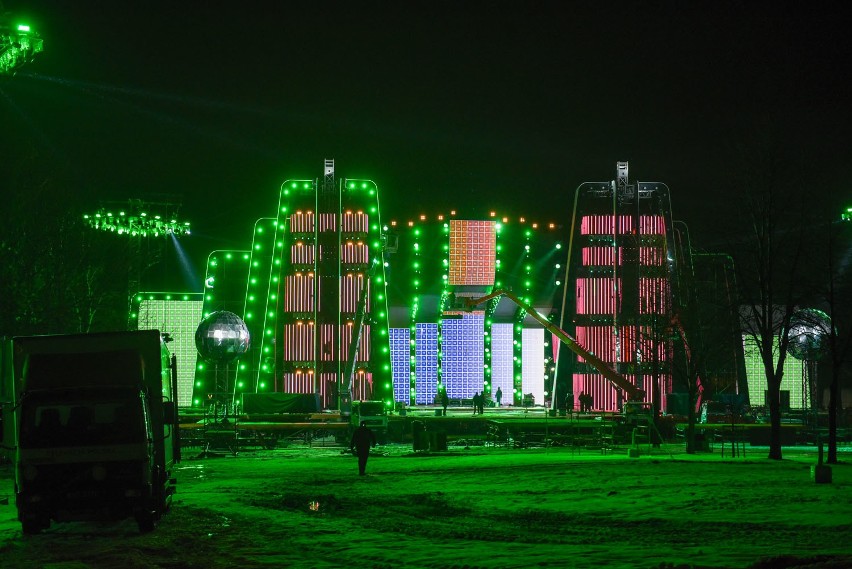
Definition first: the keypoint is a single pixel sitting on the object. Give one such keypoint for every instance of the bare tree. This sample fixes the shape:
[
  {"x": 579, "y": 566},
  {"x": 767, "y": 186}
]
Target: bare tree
[
  {"x": 769, "y": 266},
  {"x": 840, "y": 328},
  {"x": 59, "y": 275}
]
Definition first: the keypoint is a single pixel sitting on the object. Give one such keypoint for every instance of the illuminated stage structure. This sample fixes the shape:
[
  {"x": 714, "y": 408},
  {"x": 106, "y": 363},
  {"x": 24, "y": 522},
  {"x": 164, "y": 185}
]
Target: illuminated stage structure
[
  {"x": 436, "y": 342},
  {"x": 621, "y": 262},
  {"x": 299, "y": 290},
  {"x": 402, "y": 284},
  {"x": 325, "y": 262}
]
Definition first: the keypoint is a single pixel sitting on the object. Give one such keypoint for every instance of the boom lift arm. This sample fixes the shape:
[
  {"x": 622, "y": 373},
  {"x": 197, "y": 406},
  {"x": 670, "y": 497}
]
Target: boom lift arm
[
  {"x": 360, "y": 315},
  {"x": 633, "y": 393}
]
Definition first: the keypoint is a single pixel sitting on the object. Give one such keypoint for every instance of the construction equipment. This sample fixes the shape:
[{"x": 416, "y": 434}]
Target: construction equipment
[{"x": 633, "y": 392}]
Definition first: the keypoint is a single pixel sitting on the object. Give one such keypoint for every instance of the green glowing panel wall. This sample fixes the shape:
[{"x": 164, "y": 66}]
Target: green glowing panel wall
[
  {"x": 792, "y": 380},
  {"x": 224, "y": 289},
  {"x": 256, "y": 370},
  {"x": 178, "y": 315}
]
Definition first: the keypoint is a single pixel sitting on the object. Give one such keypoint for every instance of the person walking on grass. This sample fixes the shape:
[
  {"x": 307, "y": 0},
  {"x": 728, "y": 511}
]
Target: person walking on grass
[{"x": 362, "y": 441}]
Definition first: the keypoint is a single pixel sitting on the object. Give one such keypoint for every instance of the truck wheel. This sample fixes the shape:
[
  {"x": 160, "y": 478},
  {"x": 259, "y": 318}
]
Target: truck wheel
[{"x": 145, "y": 521}]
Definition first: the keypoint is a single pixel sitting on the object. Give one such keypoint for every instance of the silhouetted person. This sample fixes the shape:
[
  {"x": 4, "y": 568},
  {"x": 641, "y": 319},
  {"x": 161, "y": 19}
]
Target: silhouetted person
[
  {"x": 476, "y": 397},
  {"x": 362, "y": 440},
  {"x": 445, "y": 400},
  {"x": 584, "y": 402},
  {"x": 499, "y": 396},
  {"x": 482, "y": 403}
]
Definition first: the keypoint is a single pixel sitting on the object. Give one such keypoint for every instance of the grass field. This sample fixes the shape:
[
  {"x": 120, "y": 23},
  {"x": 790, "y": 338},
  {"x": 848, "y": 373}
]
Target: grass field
[{"x": 470, "y": 507}]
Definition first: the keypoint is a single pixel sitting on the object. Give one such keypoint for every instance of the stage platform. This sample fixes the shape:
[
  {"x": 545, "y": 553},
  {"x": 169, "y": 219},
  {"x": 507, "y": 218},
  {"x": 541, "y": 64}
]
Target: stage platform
[{"x": 507, "y": 426}]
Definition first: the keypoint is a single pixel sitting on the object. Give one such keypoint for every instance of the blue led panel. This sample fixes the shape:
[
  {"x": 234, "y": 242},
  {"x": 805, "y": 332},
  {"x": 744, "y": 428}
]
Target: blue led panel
[
  {"x": 463, "y": 355},
  {"x": 400, "y": 352},
  {"x": 502, "y": 360},
  {"x": 426, "y": 363},
  {"x": 532, "y": 352}
]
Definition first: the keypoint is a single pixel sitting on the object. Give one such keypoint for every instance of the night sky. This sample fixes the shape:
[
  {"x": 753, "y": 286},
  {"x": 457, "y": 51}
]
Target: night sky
[{"x": 488, "y": 105}]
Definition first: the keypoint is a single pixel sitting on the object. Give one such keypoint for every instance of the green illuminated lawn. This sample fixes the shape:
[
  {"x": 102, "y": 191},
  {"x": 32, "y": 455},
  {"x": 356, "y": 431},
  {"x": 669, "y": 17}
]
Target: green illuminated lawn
[{"x": 470, "y": 508}]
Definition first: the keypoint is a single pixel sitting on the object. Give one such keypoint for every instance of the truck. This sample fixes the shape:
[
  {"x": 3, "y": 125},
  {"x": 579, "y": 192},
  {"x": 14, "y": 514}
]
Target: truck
[
  {"x": 373, "y": 413},
  {"x": 93, "y": 425}
]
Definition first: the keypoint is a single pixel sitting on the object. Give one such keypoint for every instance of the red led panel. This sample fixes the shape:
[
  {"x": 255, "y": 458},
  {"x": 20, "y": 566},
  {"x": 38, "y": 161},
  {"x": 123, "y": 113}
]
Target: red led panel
[{"x": 472, "y": 252}]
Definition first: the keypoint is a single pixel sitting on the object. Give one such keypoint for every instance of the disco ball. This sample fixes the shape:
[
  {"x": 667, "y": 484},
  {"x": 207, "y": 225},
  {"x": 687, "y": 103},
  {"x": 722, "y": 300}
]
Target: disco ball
[
  {"x": 222, "y": 337},
  {"x": 809, "y": 331}
]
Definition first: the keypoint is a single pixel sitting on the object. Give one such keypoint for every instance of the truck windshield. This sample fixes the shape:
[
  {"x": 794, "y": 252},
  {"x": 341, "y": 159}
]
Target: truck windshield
[
  {"x": 48, "y": 421},
  {"x": 366, "y": 408}
]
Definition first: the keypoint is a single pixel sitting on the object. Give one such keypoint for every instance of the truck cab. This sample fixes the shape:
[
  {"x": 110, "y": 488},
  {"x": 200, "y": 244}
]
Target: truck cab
[{"x": 374, "y": 413}]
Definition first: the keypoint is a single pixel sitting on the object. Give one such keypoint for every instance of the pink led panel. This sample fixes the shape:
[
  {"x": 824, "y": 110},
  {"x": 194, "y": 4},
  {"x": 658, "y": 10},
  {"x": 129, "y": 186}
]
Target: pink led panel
[
  {"x": 302, "y": 222},
  {"x": 354, "y": 253},
  {"x": 302, "y": 253},
  {"x": 351, "y": 286},
  {"x": 605, "y": 397},
  {"x": 603, "y": 225},
  {"x": 602, "y": 256},
  {"x": 472, "y": 252},
  {"x": 354, "y": 222},
  {"x": 303, "y": 382},
  {"x": 299, "y": 293},
  {"x": 297, "y": 344}
]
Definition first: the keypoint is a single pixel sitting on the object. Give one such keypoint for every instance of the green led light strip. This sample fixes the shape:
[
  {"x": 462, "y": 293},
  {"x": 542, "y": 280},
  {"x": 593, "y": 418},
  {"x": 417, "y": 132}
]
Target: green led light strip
[
  {"x": 136, "y": 223},
  {"x": 18, "y": 46}
]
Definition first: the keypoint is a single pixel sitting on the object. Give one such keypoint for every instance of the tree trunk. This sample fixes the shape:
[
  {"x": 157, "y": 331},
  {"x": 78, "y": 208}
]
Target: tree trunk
[
  {"x": 833, "y": 397},
  {"x": 774, "y": 389},
  {"x": 690, "y": 425}
]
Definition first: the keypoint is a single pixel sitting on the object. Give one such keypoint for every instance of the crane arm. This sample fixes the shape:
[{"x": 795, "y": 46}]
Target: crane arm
[
  {"x": 610, "y": 374},
  {"x": 360, "y": 315}
]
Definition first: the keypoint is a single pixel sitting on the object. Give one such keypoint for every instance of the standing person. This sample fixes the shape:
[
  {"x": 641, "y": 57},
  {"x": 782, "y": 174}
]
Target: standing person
[
  {"x": 482, "y": 404},
  {"x": 445, "y": 400},
  {"x": 475, "y": 402},
  {"x": 362, "y": 440},
  {"x": 499, "y": 396}
]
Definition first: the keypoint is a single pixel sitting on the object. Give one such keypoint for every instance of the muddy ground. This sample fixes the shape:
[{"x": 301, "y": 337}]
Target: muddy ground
[{"x": 469, "y": 507}]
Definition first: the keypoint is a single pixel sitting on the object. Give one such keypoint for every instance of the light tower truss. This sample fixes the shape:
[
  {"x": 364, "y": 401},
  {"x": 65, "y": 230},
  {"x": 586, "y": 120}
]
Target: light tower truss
[
  {"x": 19, "y": 44},
  {"x": 621, "y": 262}
]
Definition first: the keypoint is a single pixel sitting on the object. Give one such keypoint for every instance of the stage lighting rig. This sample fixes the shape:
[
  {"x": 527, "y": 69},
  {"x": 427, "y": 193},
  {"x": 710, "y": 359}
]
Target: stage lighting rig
[
  {"x": 19, "y": 44},
  {"x": 137, "y": 218}
]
